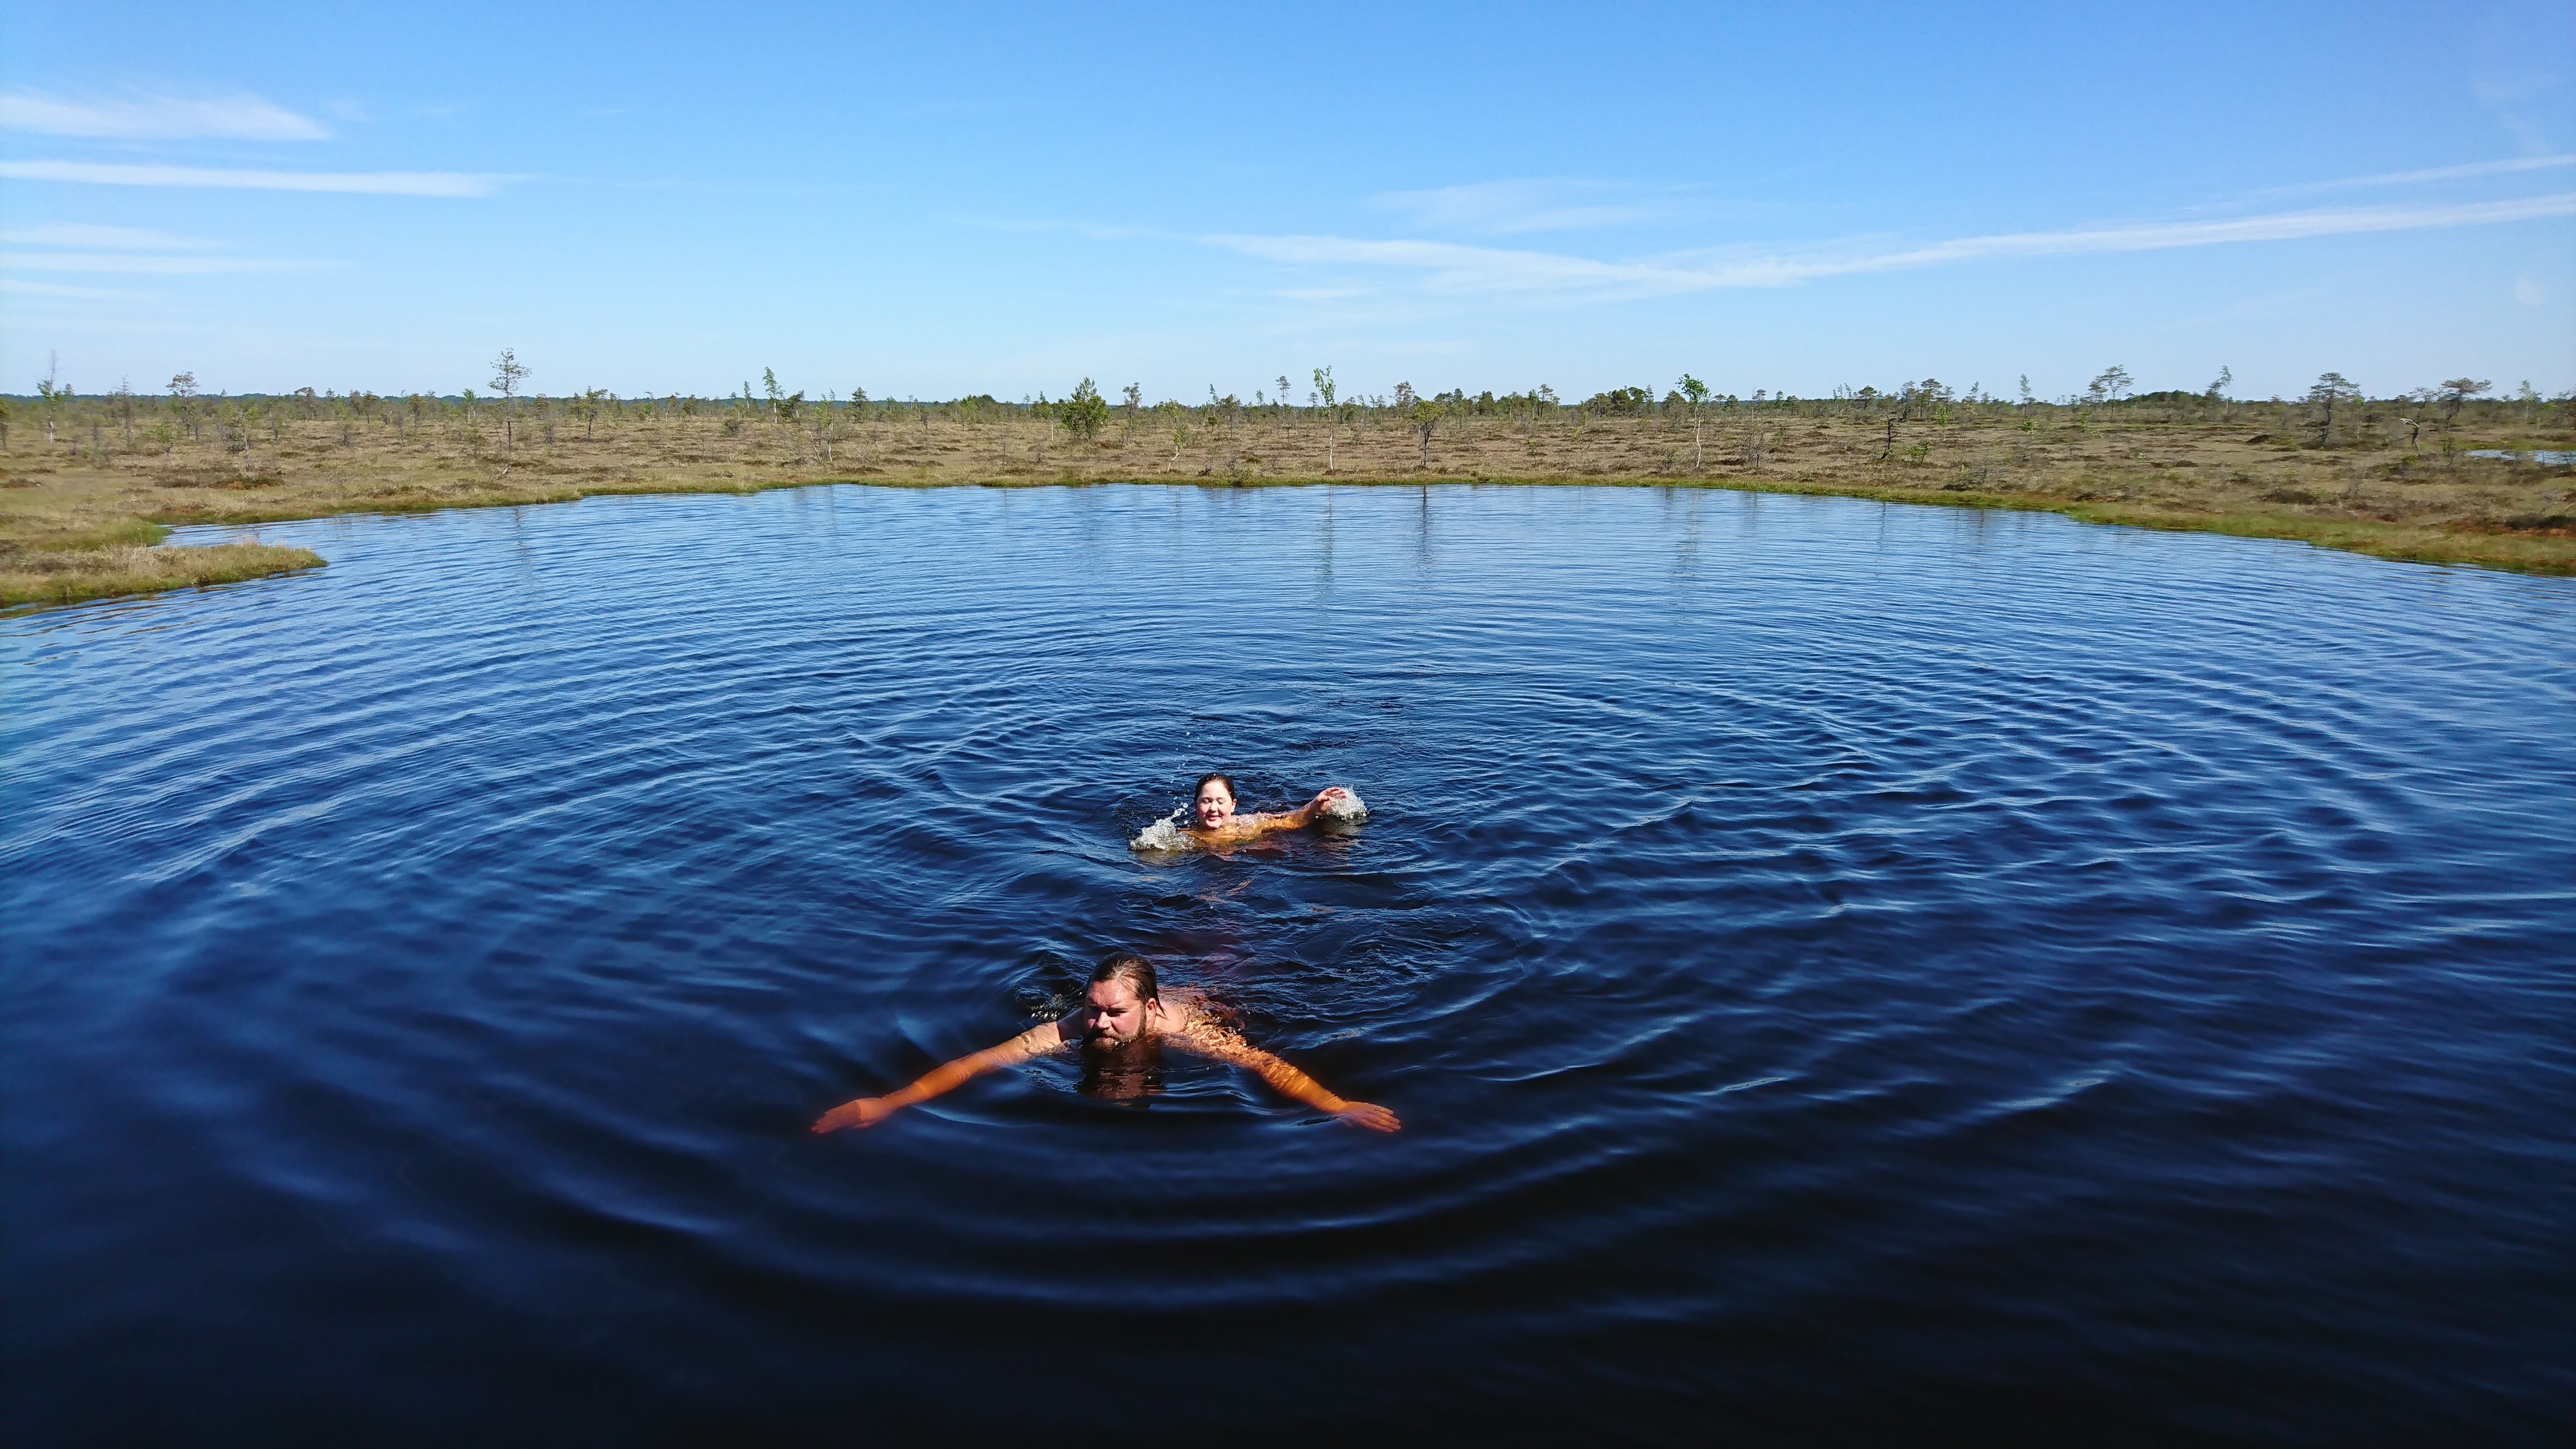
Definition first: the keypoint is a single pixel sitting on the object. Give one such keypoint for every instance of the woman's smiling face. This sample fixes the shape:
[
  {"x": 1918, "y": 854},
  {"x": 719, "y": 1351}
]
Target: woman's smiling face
[{"x": 1215, "y": 806}]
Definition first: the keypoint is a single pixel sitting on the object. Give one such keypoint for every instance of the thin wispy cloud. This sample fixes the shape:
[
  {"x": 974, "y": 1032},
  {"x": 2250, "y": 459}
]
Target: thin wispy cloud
[
  {"x": 11, "y": 286},
  {"x": 129, "y": 251},
  {"x": 119, "y": 238},
  {"x": 1509, "y": 207},
  {"x": 2439, "y": 173},
  {"x": 1094, "y": 230},
  {"x": 240, "y": 117},
  {"x": 1457, "y": 268},
  {"x": 147, "y": 264},
  {"x": 365, "y": 183}
]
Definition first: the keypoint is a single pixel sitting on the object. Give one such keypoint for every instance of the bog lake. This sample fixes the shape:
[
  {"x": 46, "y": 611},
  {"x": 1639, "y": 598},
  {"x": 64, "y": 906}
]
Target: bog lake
[{"x": 1842, "y": 967}]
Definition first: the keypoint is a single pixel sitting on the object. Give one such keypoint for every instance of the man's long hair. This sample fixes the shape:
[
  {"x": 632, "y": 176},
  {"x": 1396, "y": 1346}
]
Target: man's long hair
[{"x": 1131, "y": 968}]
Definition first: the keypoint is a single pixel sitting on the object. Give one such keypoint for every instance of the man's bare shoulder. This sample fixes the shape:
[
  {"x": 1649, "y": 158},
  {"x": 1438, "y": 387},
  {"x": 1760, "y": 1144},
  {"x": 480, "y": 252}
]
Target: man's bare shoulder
[
  {"x": 1044, "y": 1037},
  {"x": 1197, "y": 1025}
]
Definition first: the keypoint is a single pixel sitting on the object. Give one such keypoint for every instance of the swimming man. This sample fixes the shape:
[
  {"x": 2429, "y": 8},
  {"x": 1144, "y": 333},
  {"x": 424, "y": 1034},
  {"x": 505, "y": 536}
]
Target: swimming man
[
  {"x": 1215, "y": 818},
  {"x": 1122, "y": 1007}
]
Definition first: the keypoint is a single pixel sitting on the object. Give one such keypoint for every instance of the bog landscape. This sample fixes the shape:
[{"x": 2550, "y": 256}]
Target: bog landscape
[
  {"x": 2450, "y": 473},
  {"x": 1511, "y": 726}
]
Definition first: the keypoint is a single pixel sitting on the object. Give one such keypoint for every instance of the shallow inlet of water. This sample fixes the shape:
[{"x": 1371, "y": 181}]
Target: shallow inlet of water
[
  {"x": 1842, "y": 968},
  {"x": 2546, "y": 457}
]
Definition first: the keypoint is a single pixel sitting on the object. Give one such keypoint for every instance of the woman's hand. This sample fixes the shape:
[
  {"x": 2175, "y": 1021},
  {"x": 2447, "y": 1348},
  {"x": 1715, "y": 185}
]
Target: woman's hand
[
  {"x": 865, "y": 1112},
  {"x": 1369, "y": 1115},
  {"x": 1314, "y": 809}
]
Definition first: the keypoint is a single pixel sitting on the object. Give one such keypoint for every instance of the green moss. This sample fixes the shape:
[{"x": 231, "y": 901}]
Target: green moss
[{"x": 124, "y": 533}]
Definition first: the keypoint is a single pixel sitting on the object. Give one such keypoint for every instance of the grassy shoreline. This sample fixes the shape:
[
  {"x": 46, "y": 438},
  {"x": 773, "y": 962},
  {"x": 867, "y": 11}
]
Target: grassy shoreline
[
  {"x": 2550, "y": 552},
  {"x": 78, "y": 526},
  {"x": 78, "y": 576}
]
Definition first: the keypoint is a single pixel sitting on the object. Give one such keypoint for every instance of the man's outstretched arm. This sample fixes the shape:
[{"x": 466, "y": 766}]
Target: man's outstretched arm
[
  {"x": 869, "y": 1111},
  {"x": 1225, "y": 1046}
]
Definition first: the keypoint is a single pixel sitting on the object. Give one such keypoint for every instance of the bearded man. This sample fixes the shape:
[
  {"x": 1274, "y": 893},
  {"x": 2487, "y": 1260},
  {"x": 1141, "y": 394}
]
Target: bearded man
[{"x": 1123, "y": 1007}]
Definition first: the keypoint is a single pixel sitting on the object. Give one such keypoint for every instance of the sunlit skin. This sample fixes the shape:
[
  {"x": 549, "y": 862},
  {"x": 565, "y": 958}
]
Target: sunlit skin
[
  {"x": 1113, "y": 1014},
  {"x": 1214, "y": 816}
]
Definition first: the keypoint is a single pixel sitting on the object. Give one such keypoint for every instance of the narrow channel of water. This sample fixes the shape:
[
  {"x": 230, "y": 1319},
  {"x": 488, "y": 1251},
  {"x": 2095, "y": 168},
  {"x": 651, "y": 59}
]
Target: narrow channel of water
[
  {"x": 2546, "y": 457},
  {"x": 1841, "y": 967}
]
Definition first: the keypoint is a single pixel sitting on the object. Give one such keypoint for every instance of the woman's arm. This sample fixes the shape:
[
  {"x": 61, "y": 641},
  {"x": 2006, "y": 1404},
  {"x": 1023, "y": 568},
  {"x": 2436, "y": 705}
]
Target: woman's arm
[
  {"x": 1304, "y": 815},
  {"x": 1225, "y": 1046},
  {"x": 869, "y": 1111}
]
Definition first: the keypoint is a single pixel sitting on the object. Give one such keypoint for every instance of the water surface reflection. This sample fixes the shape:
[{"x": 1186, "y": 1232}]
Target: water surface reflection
[{"x": 1837, "y": 965}]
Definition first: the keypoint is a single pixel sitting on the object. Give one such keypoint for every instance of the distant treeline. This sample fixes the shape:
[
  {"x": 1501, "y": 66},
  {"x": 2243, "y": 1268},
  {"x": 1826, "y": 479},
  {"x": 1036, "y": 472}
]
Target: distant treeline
[{"x": 181, "y": 408}]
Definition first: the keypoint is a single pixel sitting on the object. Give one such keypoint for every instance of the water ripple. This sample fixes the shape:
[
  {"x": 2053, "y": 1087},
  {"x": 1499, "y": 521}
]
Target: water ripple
[{"x": 2100, "y": 983}]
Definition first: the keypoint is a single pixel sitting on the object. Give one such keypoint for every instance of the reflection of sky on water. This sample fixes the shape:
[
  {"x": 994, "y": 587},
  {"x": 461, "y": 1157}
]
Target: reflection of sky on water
[{"x": 1808, "y": 941}]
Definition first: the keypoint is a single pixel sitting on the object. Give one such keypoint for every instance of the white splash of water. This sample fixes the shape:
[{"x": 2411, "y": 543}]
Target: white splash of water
[
  {"x": 1163, "y": 834},
  {"x": 1346, "y": 807}
]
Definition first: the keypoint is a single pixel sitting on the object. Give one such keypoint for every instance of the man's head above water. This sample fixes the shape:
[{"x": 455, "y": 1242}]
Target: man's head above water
[{"x": 1123, "y": 1001}]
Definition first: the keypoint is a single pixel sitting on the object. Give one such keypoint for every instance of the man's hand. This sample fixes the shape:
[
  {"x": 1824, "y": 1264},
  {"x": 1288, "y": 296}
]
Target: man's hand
[
  {"x": 1328, "y": 795},
  {"x": 865, "y": 1112},
  {"x": 1369, "y": 1115}
]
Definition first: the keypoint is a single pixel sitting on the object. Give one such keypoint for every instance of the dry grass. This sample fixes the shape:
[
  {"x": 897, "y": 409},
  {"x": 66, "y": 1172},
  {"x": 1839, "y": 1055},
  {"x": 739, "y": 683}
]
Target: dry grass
[
  {"x": 66, "y": 576},
  {"x": 72, "y": 518}
]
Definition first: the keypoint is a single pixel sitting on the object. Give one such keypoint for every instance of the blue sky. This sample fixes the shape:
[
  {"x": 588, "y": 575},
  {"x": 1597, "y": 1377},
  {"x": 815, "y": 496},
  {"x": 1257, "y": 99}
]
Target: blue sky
[{"x": 651, "y": 199}]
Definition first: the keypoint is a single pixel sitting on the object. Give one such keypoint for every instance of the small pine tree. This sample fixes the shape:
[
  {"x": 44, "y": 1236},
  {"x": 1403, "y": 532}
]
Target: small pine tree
[
  {"x": 1084, "y": 412},
  {"x": 507, "y": 374},
  {"x": 1697, "y": 392},
  {"x": 2455, "y": 395}
]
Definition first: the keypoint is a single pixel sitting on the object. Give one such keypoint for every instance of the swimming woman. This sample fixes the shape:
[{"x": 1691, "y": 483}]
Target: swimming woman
[
  {"x": 1214, "y": 818},
  {"x": 1122, "y": 1009}
]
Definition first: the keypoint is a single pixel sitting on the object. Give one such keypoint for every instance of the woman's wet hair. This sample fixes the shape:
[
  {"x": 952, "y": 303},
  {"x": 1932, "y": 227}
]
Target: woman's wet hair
[
  {"x": 1217, "y": 777},
  {"x": 1131, "y": 968}
]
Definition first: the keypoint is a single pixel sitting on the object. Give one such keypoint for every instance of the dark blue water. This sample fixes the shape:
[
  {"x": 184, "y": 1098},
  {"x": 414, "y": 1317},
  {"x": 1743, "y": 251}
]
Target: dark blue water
[{"x": 1848, "y": 973}]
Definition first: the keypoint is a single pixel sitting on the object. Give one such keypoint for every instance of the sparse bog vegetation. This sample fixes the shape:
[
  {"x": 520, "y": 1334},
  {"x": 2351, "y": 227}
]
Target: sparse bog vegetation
[{"x": 85, "y": 492}]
